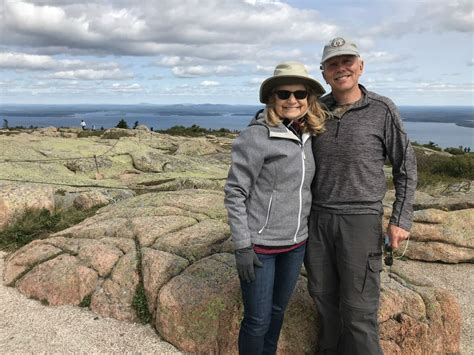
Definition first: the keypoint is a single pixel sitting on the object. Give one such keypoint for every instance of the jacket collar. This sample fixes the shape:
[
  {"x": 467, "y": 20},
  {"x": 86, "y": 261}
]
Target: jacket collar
[
  {"x": 280, "y": 131},
  {"x": 330, "y": 101}
]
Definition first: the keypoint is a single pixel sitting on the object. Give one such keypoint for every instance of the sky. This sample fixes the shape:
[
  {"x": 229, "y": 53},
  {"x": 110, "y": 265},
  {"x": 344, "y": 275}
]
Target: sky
[{"x": 417, "y": 52}]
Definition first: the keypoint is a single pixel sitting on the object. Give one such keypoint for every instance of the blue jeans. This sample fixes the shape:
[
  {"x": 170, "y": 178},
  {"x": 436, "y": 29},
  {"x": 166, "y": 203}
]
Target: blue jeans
[{"x": 265, "y": 301}]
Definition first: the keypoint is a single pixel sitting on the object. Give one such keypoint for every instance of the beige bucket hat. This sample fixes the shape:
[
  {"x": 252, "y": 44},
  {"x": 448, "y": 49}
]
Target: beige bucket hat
[{"x": 288, "y": 73}]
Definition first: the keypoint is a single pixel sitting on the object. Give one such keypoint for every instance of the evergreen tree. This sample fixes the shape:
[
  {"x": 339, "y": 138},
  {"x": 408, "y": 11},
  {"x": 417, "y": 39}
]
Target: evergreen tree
[{"x": 122, "y": 124}]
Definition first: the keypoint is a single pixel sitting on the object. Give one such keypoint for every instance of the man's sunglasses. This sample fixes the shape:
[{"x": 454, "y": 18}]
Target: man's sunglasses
[{"x": 285, "y": 94}]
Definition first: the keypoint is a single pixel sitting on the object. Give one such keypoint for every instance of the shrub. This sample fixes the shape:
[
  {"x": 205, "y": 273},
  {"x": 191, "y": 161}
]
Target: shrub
[
  {"x": 140, "y": 305},
  {"x": 435, "y": 169},
  {"x": 459, "y": 166},
  {"x": 38, "y": 224},
  {"x": 197, "y": 131},
  {"x": 454, "y": 151},
  {"x": 115, "y": 134},
  {"x": 122, "y": 124},
  {"x": 89, "y": 133}
]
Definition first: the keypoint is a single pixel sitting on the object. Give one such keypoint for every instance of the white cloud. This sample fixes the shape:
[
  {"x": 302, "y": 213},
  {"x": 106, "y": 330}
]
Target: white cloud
[
  {"x": 165, "y": 27},
  {"x": 118, "y": 87},
  {"x": 256, "y": 81},
  {"x": 431, "y": 16},
  {"x": 90, "y": 74},
  {"x": 382, "y": 57},
  {"x": 454, "y": 15},
  {"x": 209, "y": 83},
  {"x": 189, "y": 72},
  {"x": 199, "y": 70},
  {"x": 24, "y": 61},
  {"x": 264, "y": 69},
  {"x": 445, "y": 87},
  {"x": 173, "y": 61}
]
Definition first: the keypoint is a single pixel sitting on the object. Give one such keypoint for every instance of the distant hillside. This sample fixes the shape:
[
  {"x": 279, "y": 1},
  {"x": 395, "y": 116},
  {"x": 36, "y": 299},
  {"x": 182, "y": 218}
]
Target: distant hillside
[{"x": 460, "y": 115}]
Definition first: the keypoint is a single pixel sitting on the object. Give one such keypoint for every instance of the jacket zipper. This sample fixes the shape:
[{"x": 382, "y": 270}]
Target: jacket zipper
[
  {"x": 303, "y": 158},
  {"x": 338, "y": 126},
  {"x": 268, "y": 215}
]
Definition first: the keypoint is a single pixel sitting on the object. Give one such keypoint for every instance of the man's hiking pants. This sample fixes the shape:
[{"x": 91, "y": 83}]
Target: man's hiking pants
[{"x": 343, "y": 260}]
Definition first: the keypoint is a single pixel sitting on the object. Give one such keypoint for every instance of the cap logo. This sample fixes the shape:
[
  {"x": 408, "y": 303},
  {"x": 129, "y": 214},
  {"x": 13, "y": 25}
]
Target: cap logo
[{"x": 337, "y": 42}]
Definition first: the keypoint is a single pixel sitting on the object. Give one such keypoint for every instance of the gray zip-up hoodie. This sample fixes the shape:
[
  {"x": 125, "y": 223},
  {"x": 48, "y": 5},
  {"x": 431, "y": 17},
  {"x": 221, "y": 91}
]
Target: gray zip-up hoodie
[
  {"x": 350, "y": 157},
  {"x": 268, "y": 189}
]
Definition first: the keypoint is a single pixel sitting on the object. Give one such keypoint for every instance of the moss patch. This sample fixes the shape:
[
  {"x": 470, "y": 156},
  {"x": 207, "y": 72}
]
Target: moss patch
[
  {"x": 86, "y": 301},
  {"x": 140, "y": 304}
]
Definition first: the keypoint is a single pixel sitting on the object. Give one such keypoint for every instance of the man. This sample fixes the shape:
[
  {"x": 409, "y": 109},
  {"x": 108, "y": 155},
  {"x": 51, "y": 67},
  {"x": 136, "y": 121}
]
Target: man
[
  {"x": 83, "y": 125},
  {"x": 343, "y": 256}
]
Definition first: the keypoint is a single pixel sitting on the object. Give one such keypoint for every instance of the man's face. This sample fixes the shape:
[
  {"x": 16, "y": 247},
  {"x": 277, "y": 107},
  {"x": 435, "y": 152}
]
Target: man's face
[{"x": 342, "y": 72}]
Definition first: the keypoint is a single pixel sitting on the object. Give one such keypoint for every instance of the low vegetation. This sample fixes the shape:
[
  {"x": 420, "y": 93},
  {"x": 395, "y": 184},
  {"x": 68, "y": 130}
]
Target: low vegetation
[
  {"x": 140, "y": 305},
  {"x": 197, "y": 131},
  {"x": 451, "y": 150},
  {"x": 37, "y": 224},
  {"x": 122, "y": 124},
  {"x": 436, "y": 169},
  {"x": 90, "y": 133}
]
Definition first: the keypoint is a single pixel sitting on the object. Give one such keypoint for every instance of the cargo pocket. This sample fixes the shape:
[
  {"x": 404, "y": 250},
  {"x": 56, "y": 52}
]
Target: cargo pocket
[{"x": 371, "y": 287}]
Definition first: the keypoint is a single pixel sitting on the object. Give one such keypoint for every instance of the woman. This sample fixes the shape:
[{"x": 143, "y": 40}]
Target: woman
[{"x": 268, "y": 199}]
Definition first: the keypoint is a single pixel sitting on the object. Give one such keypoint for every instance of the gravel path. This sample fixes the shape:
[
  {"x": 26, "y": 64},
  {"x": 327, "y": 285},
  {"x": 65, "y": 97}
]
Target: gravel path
[
  {"x": 458, "y": 278},
  {"x": 26, "y": 326}
]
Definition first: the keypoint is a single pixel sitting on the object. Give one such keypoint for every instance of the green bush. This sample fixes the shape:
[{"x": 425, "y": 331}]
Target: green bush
[
  {"x": 435, "y": 169},
  {"x": 140, "y": 305},
  {"x": 38, "y": 224},
  {"x": 458, "y": 166},
  {"x": 197, "y": 131},
  {"x": 90, "y": 133},
  {"x": 455, "y": 151},
  {"x": 122, "y": 124},
  {"x": 115, "y": 134}
]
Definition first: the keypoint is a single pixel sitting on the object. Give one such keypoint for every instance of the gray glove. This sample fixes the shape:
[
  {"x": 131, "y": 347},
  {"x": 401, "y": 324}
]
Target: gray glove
[{"x": 245, "y": 260}]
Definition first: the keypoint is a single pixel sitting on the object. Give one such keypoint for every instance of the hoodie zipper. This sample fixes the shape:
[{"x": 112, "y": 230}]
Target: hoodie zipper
[{"x": 268, "y": 214}]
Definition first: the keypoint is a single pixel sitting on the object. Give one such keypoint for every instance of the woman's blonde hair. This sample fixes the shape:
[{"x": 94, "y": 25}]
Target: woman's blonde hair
[{"x": 315, "y": 117}]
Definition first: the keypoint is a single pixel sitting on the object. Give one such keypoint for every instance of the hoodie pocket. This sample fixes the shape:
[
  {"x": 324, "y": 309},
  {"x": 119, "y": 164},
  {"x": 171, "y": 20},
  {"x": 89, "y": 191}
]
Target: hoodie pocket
[{"x": 267, "y": 218}]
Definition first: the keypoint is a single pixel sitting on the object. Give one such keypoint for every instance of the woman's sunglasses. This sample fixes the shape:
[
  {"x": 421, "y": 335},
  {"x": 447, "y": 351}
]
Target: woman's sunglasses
[{"x": 285, "y": 94}]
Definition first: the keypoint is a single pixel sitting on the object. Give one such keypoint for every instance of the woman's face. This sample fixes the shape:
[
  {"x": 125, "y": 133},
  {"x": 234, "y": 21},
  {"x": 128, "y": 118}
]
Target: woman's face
[{"x": 291, "y": 107}]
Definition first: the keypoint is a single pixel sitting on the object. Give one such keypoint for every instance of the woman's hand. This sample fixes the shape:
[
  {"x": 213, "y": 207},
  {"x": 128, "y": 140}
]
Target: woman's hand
[{"x": 245, "y": 260}]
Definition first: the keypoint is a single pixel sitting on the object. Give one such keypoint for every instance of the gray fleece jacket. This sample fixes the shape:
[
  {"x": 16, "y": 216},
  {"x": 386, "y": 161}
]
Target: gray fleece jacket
[
  {"x": 268, "y": 189},
  {"x": 350, "y": 157}
]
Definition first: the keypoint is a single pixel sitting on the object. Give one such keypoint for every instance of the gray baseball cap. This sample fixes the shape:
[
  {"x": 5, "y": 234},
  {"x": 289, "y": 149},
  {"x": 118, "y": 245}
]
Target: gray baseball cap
[{"x": 339, "y": 46}]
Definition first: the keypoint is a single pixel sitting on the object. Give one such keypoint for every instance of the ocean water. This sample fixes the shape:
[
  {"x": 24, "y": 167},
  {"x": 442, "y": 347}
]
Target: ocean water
[
  {"x": 445, "y": 126},
  {"x": 443, "y": 134}
]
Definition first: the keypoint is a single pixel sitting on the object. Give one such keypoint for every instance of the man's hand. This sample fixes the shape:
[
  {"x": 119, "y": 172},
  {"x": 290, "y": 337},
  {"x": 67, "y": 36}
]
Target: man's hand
[
  {"x": 396, "y": 235},
  {"x": 245, "y": 260}
]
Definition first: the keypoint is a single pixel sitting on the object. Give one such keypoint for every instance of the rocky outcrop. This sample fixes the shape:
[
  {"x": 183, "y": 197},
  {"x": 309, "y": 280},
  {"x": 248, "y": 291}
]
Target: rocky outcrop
[
  {"x": 175, "y": 247},
  {"x": 443, "y": 232},
  {"x": 442, "y": 236},
  {"x": 16, "y": 199},
  {"x": 84, "y": 172},
  {"x": 168, "y": 253},
  {"x": 448, "y": 202}
]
